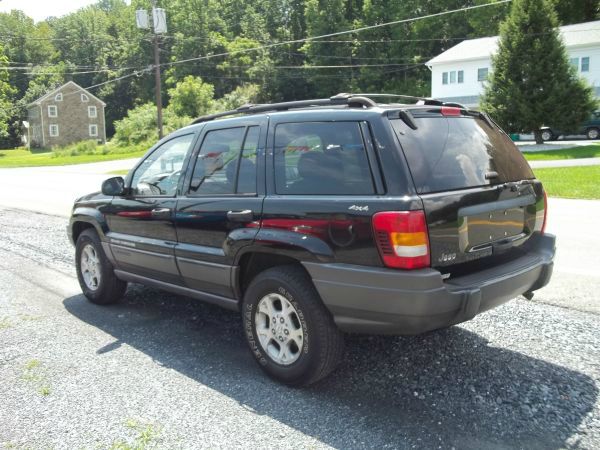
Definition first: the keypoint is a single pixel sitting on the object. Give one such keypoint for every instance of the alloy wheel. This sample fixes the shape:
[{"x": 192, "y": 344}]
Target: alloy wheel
[
  {"x": 279, "y": 329},
  {"x": 90, "y": 267}
]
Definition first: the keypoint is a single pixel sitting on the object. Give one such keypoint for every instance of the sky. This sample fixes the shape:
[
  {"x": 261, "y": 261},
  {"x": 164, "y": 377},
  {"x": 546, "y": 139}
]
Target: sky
[{"x": 40, "y": 9}]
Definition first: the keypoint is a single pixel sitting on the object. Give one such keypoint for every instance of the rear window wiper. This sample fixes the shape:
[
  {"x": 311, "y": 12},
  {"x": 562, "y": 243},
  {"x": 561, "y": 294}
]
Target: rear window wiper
[
  {"x": 405, "y": 116},
  {"x": 515, "y": 185}
]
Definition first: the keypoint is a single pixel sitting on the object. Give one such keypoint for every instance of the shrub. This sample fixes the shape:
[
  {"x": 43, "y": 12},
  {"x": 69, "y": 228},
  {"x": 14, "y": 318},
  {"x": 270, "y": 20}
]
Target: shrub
[{"x": 140, "y": 125}]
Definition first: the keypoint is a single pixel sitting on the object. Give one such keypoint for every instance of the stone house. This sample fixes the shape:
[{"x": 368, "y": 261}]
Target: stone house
[{"x": 66, "y": 115}]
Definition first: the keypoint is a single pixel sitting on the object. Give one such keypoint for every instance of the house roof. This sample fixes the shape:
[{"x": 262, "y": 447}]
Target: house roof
[
  {"x": 580, "y": 34},
  {"x": 55, "y": 91}
]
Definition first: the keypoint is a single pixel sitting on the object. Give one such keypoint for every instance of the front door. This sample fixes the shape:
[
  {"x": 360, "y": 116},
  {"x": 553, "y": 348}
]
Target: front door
[
  {"x": 221, "y": 201},
  {"x": 141, "y": 230}
]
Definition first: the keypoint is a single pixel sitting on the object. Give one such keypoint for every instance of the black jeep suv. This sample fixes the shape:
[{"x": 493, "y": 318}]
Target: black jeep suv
[{"x": 318, "y": 217}]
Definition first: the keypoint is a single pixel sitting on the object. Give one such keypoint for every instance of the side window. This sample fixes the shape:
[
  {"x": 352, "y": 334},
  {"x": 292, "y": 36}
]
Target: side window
[
  {"x": 246, "y": 179},
  {"x": 216, "y": 166},
  {"x": 159, "y": 173},
  {"x": 327, "y": 158}
]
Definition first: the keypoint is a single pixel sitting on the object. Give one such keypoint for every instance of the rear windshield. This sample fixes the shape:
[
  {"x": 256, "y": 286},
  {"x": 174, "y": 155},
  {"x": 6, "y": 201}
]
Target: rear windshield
[{"x": 446, "y": 153}]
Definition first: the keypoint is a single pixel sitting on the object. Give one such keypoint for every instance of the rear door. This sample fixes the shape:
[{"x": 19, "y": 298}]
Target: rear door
[
  {"x": 223, "y": 196},
  {"x": 480, "y": 196}
]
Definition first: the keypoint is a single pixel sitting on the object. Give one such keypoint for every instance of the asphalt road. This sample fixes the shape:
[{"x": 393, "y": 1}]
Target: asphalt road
[{"x": 162, "y": 371}]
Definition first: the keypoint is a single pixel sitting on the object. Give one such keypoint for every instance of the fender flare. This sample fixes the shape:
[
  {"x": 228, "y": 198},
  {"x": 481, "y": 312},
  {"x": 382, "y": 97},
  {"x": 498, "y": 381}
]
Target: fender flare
[
  {"x": 302, "y": 247},
  {"x": 91, "y": 216}
]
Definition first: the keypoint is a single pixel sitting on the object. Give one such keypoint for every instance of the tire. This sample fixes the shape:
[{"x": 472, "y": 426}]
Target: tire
[
  {"x": 95, "y": 272},
  {"x": 592, "y": 133},
  {"x": 308, "y": 322},
  {"x": 547, "y": 135}
]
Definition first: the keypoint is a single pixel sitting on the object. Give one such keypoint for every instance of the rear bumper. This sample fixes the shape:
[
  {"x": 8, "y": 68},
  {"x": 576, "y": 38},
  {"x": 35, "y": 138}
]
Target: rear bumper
[{"x": 375, "y": 300}]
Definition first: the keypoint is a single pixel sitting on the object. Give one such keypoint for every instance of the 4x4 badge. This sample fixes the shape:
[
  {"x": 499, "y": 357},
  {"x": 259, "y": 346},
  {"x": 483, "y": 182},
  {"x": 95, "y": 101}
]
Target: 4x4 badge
[{"x": 359, "y": 208}]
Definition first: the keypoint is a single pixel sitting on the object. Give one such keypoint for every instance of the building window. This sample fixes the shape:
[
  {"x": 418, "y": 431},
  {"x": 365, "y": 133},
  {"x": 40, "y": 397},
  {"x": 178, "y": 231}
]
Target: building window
[
  {"x": 445, "y": 78},
  {"x": 53, "y": 130},
  {"x": 84, "y": 98},
  {"x": 52, "y": 111},
  {"x": 93, "y": 129},
  {"x": 585, "y": 64},
  {"x": 482, "y": 74},
  {"x": 453, "y": 77},
  {"x": 574, "y": 62},
  {"x": 461, "y": 76},
  {"x": 92, "y": 112},
  {"x": 58, "y": 97}
]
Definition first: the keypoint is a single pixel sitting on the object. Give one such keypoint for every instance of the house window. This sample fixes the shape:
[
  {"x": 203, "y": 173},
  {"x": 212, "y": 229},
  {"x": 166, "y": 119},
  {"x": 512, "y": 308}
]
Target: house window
[
  {"x": 585, "y": 64},
  {"x": 53, "y": 130},
  {"x": 574, "y": 62},
  {"x": 453, "y": 77},
  {"x": 52, "y": 111},
  {"x": 92, "y": 112},
  {"x": 445, "y": 78},
  {"x": 84, "y": 98},
  {"x": 58, "y": 97},
  {"x": 482, "y": 74},
  {"x": 93, "y": 129},
  {"x": 461, "y": 76}
]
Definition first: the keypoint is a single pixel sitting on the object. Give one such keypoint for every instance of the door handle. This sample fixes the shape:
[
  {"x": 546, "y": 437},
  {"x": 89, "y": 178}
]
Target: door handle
[
  {"x": 161, "y": 213},
  {"x": 241, "y": 216}
]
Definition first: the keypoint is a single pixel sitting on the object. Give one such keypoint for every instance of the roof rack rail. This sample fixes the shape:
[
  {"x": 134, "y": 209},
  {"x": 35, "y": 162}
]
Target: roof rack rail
[
  {"x": 410, "y": 97},
  {"x": 339, "y": 99}
]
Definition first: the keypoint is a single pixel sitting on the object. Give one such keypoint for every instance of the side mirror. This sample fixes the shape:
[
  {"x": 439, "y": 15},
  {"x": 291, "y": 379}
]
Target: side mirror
[{"x": 113, "y": 186}]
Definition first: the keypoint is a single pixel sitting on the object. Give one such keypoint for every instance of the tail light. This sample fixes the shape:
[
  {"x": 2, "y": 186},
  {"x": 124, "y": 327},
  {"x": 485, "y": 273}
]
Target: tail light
[
  {"x": 545, "y": 212},
  {"x": 450, "y": 111},
  {"x": 402, "y": 239}
]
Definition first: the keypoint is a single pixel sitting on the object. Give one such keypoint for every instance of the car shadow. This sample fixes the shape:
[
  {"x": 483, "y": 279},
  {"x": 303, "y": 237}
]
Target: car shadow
[{"x": 447, "y": 388}]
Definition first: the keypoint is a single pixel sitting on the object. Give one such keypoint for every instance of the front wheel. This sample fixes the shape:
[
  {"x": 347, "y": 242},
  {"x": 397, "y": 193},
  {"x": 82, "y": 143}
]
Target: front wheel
[
  {"x": 547, "y": 135},
  {"x": 592, "y": 133},
  {"x": 290, "y": 332},
  {"x": 95, "y": 272}
]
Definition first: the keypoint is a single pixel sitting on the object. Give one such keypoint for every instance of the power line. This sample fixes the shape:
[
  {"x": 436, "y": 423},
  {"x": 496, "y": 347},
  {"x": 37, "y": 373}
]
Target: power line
[
  {"x": 28, "y": 71},
  {"x": 307, "y": 39},
  {"x": 338, "y": 33}
]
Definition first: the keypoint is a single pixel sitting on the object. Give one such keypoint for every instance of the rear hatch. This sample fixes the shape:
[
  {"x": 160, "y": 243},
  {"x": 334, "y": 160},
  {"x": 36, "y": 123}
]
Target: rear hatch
[{"x": 480, "y": 196}]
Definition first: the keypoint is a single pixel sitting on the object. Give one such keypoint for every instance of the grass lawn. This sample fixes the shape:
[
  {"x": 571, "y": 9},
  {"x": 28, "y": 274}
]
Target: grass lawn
[
  {"x": 571, "y": 182},
  {"x": 585, "y": 151},
  {"x": 25, "y": 158}
]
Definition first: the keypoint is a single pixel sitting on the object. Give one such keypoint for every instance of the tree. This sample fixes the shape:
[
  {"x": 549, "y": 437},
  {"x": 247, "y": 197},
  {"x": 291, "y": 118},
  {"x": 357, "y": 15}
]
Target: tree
[
  {"x": 6, "y": 93},
  {"x": 532, "y": 83},
  {"x": 241, "y": 95},
  {"x": 191, "y": 97},
  {"x": 576, "y": 11}
]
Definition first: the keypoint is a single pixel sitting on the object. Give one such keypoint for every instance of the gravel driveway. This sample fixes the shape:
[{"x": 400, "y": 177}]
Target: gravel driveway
[{"x": 162, "y": 371}]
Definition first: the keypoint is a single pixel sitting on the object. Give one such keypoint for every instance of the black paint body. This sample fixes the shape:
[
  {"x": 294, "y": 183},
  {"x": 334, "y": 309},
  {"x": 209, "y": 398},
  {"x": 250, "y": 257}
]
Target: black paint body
[{"x": 188, "y": 243}]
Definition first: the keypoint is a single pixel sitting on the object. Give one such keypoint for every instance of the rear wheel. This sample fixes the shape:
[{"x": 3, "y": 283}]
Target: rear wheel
[
  {"x": 592, "y": 133},
  {"x": 290, "y": 332},
  {"x": 95, "y": 272}
]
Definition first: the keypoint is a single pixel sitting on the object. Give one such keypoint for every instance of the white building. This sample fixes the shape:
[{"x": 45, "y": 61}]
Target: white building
[{"x": 458, "y": 74}]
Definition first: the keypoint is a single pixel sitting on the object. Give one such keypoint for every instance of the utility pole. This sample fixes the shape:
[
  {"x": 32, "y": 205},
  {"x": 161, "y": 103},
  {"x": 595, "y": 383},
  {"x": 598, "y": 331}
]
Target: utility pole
[
  {"x": 159, "y": 26},
  {"x": 159, "y": 119}
]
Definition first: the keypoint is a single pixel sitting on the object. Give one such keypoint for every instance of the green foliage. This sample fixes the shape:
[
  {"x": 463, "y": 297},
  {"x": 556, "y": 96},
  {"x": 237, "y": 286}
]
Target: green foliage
[
  {"x": 576, "y": 11},
  {"x": 140, "y": 125},
  {"x": 191, "y": 97},
  {"x": 100, "y": 43},
  {"x": 6, "y": 93},
  {"x": 532, "y": 83},
  {"x": 241, "y": 95}
]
